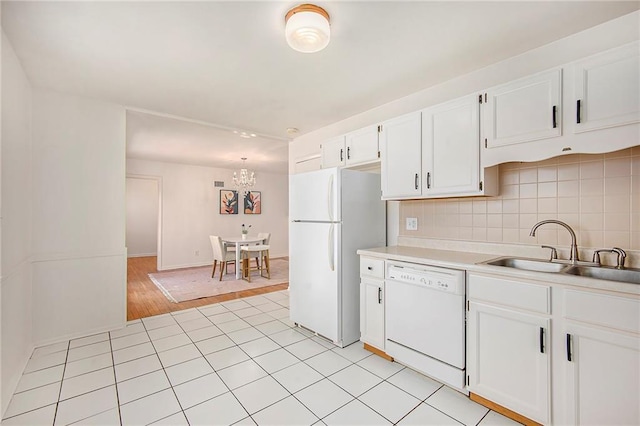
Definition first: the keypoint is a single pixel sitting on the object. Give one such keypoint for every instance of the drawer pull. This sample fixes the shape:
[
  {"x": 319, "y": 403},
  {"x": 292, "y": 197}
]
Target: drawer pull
[{"x": 370, "y": 268}]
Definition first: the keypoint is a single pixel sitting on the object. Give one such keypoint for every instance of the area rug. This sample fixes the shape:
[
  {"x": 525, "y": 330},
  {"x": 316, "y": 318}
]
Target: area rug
[{"x": 180, "y": 285}]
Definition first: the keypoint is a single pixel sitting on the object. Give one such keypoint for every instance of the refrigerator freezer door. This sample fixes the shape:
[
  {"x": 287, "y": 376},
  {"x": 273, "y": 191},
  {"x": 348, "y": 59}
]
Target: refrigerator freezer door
[
  {"x": 313, "y": 277},
  {"x": 314, "y": 196}
]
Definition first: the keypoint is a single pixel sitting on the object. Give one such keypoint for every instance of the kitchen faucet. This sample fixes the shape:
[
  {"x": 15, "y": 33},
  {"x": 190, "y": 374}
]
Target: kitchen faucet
[{"x": 574, "y": 246}]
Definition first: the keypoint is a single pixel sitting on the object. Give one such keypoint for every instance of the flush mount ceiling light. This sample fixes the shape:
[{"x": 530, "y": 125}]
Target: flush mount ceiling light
[{"x": 307, "y": 28}]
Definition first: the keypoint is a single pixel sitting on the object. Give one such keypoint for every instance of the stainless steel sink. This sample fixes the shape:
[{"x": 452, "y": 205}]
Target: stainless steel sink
[
  {"x": 604, "y": 273},
  {"x": 582, "y": 269},
  {"x": 536, "y": 265}
]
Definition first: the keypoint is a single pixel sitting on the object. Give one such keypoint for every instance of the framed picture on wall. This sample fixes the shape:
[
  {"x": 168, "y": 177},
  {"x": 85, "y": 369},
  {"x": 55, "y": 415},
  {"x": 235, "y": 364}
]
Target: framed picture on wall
[
  {"x": 252, "y": 202},
  {"x": 228, "y": 201}
]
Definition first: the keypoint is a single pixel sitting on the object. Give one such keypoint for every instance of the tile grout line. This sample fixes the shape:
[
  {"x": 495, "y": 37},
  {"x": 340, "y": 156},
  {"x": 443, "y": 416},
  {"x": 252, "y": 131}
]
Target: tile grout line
[
  {"x": 165, "y": 374},
  {"x": 216, "y": 371},
  {"x": 55, "y": 414},
  {"x": 250, "y": 359},
  {"x": 115, "y": 379}
]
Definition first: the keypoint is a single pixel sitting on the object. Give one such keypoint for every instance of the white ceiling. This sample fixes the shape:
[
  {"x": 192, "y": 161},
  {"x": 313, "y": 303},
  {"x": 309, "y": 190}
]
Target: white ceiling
[
  {"x": 161, "y": 138},
  {"x": 227, "y": 63}
]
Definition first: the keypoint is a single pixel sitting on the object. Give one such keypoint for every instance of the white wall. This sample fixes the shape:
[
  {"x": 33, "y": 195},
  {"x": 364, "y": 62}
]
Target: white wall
[
  {"x": 190, "y": 211},
  {"x": 15, "y": 224},
  {"x": 142, "y": 216},
  {"x": 602, "y": 37},
  {"x": 79, "y": 259}
]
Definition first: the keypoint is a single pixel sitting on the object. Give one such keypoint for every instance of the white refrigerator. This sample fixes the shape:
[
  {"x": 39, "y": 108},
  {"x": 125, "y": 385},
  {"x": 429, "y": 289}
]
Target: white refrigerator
[{"x": 333, "y": 213}]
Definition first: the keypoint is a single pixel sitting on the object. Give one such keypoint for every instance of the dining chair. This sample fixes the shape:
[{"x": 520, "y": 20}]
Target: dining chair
[
  {"x": 266, "y": 239},
  {"x": 222, "y": 255},
  {"x": 258, "y": 251}
]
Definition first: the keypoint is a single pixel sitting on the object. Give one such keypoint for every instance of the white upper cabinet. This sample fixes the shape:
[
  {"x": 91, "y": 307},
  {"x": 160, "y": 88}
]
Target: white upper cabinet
[
  {"x": 451, "y": 149},
  {"x": 353, "y": 149},
  {"x": 362, "y": 146},
  {"x": 522, "y": 111},
  {"x": 333, "y": 154},
  {"x": 607, "y": 89},
  {"x": 400, "y": 149}
]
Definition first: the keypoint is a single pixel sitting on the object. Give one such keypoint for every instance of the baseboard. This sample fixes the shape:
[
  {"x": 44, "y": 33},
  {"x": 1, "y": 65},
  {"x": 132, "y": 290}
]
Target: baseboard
[
  {"x": 142, "y": 255},
  {"x": 502, "y": 410},
  {"x": 378, "y": 352},
  {"x": 81, "y": 334}
]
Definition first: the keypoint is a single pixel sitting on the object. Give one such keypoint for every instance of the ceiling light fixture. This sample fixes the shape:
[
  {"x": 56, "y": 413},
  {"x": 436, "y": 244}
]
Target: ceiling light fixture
[
  {"x": 307, "y": 28},
  {"x": 245, "y": 135},
  {"x": 246, "y": 179}
]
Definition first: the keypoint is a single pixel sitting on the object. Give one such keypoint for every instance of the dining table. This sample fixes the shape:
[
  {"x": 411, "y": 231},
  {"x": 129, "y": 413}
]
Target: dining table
[{"x": 239, "y": 241}]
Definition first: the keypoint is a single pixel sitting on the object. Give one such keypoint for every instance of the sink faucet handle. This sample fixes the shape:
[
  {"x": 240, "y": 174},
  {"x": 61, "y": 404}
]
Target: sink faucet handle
[
  {"x": 622, "y": 255},
  {"x": 554, "y": 252},
  {"x": 596, "y": 255}
]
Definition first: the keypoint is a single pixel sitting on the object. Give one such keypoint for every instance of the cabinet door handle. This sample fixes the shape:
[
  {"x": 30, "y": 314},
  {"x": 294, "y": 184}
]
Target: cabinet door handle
[
  {"x": 541, "y": 340},
  {"x": 578, "y": 111},
  {"x": 569, "y": 357},
  {"x": 379, "y": 295},
  {"x": 428, "y": 180},
  {"x": 416, "y": 181},
  {"x": 555, "y": 124},
  {"x": 341, "y": 154},
  {"x": 348, "y": 153}
]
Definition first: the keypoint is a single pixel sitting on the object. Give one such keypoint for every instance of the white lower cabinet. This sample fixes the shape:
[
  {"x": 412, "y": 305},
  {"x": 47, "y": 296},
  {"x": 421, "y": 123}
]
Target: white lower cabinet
[
  {"x": 372, "y": 312},
  {"x": 592, "y": 336},
  {"x": 508, "y": 343},
  {"x": 508, "y": 360},
  {"x": 372, "y": 302},
  {"x": 601, "y": 356},
  {"x": 603, "y": 376}
]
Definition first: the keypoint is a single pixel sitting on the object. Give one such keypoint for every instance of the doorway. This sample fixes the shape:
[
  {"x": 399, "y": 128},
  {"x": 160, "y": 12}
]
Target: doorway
[{"x": 143, "y": 217}]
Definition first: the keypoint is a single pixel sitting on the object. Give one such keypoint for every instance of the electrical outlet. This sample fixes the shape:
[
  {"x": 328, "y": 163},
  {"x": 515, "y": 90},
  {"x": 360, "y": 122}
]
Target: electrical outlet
[{"x": 412, "y": 224}]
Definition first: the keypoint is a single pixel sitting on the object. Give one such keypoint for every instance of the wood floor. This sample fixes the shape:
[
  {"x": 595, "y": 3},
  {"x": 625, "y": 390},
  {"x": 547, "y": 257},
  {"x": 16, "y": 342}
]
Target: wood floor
[{"x": 144, "y": 299}]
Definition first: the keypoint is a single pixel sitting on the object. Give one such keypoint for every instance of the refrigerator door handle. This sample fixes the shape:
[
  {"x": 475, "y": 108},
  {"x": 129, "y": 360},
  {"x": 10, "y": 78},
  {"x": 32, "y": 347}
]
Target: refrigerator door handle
[
  {"x": 332, "y": 265},
  {"x": 330, "y": 198}
]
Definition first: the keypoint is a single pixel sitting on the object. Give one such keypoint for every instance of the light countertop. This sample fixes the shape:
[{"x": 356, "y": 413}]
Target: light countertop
[{"x": 471, "y": 262}]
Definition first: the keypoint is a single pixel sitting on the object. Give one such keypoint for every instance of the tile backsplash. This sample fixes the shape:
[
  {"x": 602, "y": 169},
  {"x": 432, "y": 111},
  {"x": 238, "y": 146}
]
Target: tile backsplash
[{"x": 598, "y": 195}]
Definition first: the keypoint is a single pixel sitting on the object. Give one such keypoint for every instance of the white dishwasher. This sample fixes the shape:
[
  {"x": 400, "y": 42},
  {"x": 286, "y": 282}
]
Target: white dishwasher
[{"x": 425, "y": 320}]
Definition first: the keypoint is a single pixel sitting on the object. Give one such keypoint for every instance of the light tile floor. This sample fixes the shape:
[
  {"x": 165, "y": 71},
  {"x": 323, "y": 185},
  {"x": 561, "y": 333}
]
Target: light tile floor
[{"x": 238, "y": 362}]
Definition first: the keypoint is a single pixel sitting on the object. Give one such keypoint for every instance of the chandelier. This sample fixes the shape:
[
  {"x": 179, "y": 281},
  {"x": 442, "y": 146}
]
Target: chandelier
[{"x": 246, "y": 179}]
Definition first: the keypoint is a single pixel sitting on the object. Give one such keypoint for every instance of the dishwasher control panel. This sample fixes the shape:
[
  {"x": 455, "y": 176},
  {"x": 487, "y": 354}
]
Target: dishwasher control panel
[{"x": 448, "y": 280}]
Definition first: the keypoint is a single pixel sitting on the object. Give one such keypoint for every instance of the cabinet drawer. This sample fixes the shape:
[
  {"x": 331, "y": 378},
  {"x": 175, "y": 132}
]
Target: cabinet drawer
[
  {"x": 371, "y": 267},
  {"x": 517, "y": 294},
  {"x": 602, "y": 309}
]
